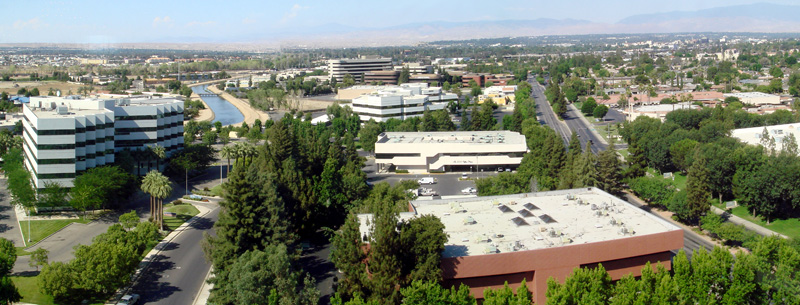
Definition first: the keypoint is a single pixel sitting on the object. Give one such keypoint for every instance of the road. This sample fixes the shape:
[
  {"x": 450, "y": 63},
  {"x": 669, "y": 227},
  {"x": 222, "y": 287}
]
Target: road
[
  {"x": 691, "y": 240},
  {"x": 178, "y": 273},
  {"x": 572, "y": 122}
]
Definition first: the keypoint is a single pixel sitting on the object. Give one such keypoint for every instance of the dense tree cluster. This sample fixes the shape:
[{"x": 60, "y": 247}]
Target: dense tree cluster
[
  {"x": 697, "y": 142},
  {"x": 768, "y": 275},
  {"x": 398, "y": 253},
  {"x": 100, "y": 268},
  {"x": 302, "y": 179}
]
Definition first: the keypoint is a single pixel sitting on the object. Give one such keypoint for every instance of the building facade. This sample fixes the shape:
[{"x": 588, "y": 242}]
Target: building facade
[
  {"x": 381, "y": 103},
  {"x": 65, "y": 136},
  {"x": 338, "y": 68},
  {"x": 466, "y": 151}
]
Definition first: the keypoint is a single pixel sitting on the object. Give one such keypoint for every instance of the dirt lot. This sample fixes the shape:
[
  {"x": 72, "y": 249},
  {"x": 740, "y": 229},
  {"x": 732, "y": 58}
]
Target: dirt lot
[{"x": 44, "y": 86}]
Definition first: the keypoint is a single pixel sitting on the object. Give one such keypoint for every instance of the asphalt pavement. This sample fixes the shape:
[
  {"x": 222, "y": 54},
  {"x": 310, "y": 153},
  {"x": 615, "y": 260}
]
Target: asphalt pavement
[
  {"x": 9, "y": 227},
  {"x": 178, "y": 273},
  {"x": 691, "y": 240}
]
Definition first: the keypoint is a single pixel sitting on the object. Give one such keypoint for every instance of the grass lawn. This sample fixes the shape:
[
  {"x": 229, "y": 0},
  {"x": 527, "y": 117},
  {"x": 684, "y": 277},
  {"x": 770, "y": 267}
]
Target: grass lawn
[
  {"x": 28, "y": 287},
  {"x": 21, "y": 251},
  {"x": 789, "y": 227},
  {"x": 679, "y": 181},
  {"x": 217, "y": 190},
  {"x": 43, "y": 228},
  {"x": 183, "y": 211}
]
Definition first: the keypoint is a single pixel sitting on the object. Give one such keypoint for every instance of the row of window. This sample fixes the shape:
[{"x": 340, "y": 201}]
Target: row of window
[
  {"x": 387, "y": 107},
  {"x": 147, "y": 116},
  {"x": 393, "y": 115}
]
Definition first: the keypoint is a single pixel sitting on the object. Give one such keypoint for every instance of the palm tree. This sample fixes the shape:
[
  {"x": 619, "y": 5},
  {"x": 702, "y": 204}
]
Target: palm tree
[
  {"x": 158, "y": 186},
  {"x": 159, "y": 153},
  {"x": 148, "y": 186},
  {"x": 227, "y": 152},
  {"x": 246, "y": 151}
]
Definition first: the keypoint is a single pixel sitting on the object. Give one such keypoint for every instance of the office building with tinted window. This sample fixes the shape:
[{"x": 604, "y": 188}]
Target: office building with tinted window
[{"x": 64, "y": 136}]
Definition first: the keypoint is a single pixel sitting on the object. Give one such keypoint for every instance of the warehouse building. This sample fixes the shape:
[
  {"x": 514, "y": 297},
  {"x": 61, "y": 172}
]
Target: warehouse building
[
  {"x": 535, "y": 236},
  {"x": 447, "y": 151}
]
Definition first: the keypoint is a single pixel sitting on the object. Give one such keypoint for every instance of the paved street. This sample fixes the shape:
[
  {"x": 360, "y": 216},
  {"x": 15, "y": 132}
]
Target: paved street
[
  {"x": 8, "y": 219},
  {"x": 691, "y": 240},
  {"x": 571, "y": 123},
  {"x": 177, "y": 274}
]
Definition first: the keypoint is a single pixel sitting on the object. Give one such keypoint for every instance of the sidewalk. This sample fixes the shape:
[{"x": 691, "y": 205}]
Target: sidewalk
[{"x": 747, "y": 224}]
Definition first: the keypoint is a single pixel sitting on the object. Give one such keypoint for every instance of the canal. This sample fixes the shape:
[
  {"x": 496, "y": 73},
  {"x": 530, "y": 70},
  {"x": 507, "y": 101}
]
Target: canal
[{"x": 224, "y": 112}]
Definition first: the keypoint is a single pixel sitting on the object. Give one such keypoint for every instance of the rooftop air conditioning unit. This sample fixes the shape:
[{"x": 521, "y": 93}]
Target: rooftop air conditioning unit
[{"x": 62, "y": 110}]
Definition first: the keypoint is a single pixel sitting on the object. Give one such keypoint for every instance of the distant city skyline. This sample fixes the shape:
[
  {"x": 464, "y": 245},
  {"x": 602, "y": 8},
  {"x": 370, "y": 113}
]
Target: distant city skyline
[{"x": 94, "y": 21}]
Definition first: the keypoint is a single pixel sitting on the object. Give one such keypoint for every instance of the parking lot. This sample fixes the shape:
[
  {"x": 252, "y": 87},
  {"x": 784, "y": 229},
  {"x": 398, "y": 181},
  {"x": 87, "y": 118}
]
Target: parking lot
[{"x": 446, "y": 184}]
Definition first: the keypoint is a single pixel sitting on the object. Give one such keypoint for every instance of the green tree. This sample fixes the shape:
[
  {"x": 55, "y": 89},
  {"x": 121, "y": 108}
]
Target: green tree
[
  {"x": 257, "y": 277},
  {"x": 682, "y": 153},
  {"x": 8, "y": 292},
  {"x": 38, "y": 258},
  {"x": 404, "y": 75},
  {"x": 588, "y": 106},
  {"x": 349, "y": 256},
  {"x": 431, "y": 293},
  {"x": 129, "y": 220},
  {"x": 506, "y": 296},
  {"x": 159, "y": 187},
  {"x": 600, "y": 111},
  {"x": 53, "y": 194},
  {"x": 609, "y": 171},
  {"x": 697, "y": 189},
  {"x": 583, "y": 286}
]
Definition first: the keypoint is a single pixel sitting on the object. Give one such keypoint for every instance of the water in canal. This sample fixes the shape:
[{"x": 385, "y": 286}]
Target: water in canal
[{"x": 224, "y": 111}]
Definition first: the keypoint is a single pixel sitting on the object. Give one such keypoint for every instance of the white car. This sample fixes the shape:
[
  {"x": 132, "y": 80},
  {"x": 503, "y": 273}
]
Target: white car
[
  {"x": 426, "y": 180},
  {"x": 464, "y": 176},
  {"x": 129, "y": 299},
  {"x": 469, "y": 191}
]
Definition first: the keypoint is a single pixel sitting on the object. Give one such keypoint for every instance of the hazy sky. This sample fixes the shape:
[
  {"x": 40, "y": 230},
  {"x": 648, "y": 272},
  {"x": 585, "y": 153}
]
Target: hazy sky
[{"x": 113, "y": 21}]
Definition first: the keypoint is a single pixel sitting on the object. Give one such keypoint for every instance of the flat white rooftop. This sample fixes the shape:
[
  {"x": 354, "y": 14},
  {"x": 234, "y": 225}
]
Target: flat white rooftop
[
  {"x": 453, "y": 137},
  {"x": 529, "y": 221},
  {"x": 752, "y": 135},
  {"x": 749, "y": 94}
]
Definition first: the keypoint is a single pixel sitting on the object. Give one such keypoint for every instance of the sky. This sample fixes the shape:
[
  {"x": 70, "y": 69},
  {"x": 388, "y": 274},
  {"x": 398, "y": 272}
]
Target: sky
[{"x": 112, "y": 21}]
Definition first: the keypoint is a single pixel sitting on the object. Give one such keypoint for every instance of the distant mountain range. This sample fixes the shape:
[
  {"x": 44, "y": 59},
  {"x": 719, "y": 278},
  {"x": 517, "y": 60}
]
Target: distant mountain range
[
  {"x": 761, "y": 17},
  {"x": 753, "y": 18}
]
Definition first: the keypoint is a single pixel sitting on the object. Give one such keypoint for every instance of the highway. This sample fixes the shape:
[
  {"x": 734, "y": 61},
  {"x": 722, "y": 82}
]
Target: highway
[{"x": 177, "y": 274}]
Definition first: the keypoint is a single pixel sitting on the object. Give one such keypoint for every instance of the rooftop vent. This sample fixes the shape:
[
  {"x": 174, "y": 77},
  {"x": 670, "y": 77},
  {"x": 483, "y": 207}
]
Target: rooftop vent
[
  {"x": 547, "y": 219},
  {"x": 525, "y": 213},
  {"x": 519, "y": 221},
  {"x": 530, "y": 206}
]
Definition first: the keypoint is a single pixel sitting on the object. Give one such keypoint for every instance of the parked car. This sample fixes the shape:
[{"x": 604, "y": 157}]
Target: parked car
[
  {"x": 464, "y": 176},
  {"x": 129, "y": 299},
  {"x": 427, "y": 180},
  {"x": 469, "y": 191},
  {"x": 508, "y": 169},
  {"x": 499, "y": 169}
]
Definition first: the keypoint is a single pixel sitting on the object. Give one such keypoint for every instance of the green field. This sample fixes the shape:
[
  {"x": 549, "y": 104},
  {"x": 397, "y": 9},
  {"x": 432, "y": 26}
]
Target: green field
[
  {"x": 184, "y": 211},
  {"x": 217, "y": 190},
  {"x": 28, "y": 287},
  {"x": 43, "y": 228}
]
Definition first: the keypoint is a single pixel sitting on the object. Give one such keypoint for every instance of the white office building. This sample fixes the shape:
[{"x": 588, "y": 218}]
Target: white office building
[
  {"x": 338, "y": 68},
  {"x": 400, "y": 102},
  {"x": 65, "y": 136},
  {"x": 464, "y": 151}
]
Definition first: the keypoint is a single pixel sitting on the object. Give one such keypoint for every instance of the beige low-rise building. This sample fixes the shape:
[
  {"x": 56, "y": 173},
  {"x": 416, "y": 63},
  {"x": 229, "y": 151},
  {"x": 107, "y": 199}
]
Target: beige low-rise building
[{"x": 463, "y": 151}]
